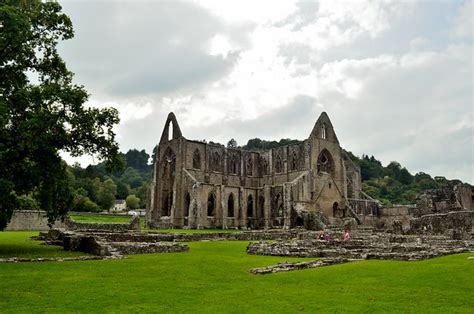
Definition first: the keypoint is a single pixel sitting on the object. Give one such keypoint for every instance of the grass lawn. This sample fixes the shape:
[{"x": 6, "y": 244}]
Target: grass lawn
[
  {"x": 213, "y": 278},
  {"x": 19, "y": 244},
  {"x": 126, "y": 219},
  {"x": 101, "y": 218}
]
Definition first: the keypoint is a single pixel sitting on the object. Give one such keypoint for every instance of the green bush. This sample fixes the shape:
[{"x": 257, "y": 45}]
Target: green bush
[{"x": 26, "y": 202}]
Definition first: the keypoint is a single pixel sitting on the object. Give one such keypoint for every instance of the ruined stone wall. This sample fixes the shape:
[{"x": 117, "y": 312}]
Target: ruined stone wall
[
  {"x": 220, "y": 169},
  {"x": 31, "y": 220},
  {"x": 458, "y": 224}
]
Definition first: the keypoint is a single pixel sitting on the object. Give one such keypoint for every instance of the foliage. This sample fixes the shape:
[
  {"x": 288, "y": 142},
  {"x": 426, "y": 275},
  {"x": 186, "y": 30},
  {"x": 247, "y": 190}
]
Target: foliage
[
  {"x": 213, "y": 277},
  {"x": 27, "y": 202},
  {"x": 137, "y": 159},
  {"x": 42, "y": 112},
  {"x": 232, "y": 143},
  {"x": 132, "y": 201},
  {"x": 394, "y": 184},
  {"x": 257, "y": 144}
]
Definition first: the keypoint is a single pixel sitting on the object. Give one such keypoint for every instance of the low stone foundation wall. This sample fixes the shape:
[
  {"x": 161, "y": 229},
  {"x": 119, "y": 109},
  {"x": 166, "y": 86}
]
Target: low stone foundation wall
[{"x": 380, "y": 246}]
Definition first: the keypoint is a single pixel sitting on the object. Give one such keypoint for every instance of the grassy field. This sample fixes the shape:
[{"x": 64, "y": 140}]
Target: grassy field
[
  {"x": 19, "y": 244},
  {"x": 213, "y": 277},
  {"x": 100, "y": 218},
  {"x": 126, "y": 219}
]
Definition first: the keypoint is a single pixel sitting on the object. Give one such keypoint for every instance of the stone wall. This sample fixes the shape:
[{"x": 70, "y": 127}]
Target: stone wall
[
  {"x": 31, "y": 220},
  {"x": 457, "y": 224}
]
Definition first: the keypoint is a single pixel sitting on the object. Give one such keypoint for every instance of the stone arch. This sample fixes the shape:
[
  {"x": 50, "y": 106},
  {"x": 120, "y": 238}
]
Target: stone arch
[
  {"x": 187, "y": 204},
  {"x": 325, "y": 162},
  {"x": 215, "y": 162},
  {"x": 196, "y": 159},
  {"x": 324, "y": 130},
  {"x": 249, "y": 165},
  {"x": 211, "y": 205},
  {"x": 167, "y": 203},
  {"x": 250, "y": 207},
  {"x": 230, "y": 205},
  {"x": 169, "y": 164},
  {"x": 264, "y": 166},
  {"x": 278, "y": 164},
  {"x": 294, "y": 161},
  {"x": 232, "y": 164}
]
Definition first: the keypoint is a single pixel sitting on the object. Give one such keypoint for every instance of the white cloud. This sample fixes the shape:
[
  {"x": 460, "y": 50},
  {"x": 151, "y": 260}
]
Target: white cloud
[{"x": 395, "y": 77}]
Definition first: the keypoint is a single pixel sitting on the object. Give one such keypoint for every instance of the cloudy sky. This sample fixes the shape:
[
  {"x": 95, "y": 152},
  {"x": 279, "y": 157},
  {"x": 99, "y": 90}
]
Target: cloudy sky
[{"x": 396, "y": 78}]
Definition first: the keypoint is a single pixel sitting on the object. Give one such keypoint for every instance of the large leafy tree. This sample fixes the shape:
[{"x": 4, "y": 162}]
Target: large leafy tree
[{"x": 42, "y": 111}]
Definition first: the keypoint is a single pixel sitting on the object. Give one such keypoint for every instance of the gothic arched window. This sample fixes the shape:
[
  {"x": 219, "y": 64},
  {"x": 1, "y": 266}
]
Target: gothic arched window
[
  {"x": 325, "y": 162},
  {"x": 211, "y": 205},
  {"x": 294, "y": 161},
  {"x": 215, "y": 162},
  {"x": 197, "y": 159},
  {"x": 323, "y": 131},
  {"x": 278, "y": 164},
  {"x": 230, "y": 205}
]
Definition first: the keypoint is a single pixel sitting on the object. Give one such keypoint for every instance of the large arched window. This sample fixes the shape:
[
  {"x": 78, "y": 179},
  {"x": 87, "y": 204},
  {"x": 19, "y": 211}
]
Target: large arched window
[
  {"x": 278, "y": 164},
  {"x": 211, "y": 205},
  {"x": 249, "y": 166},
  {"x": 230, "y": 205},
  {"x": 169, "y": 164},
  {"x": 294, "y": 161},
  {"x": 232, "y": 164},
  {"x": 264, "y": 166},
  {"x": 197, "y": 159},
  {"x": 325, "y": 162},
  {"x": 215, "y": 162},
  {"x": 250, "y": 206}
]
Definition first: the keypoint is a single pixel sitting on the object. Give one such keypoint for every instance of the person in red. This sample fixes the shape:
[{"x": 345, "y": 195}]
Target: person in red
[{"x": 347, "y": 236}]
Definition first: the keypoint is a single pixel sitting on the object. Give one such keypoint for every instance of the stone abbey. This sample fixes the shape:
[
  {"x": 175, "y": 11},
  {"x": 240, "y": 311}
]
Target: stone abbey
[{"x": 202, "y": 185}]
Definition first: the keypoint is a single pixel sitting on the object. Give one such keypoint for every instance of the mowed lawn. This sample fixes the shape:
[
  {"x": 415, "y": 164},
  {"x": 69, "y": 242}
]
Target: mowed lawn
[{"x": 213, "y": 277}]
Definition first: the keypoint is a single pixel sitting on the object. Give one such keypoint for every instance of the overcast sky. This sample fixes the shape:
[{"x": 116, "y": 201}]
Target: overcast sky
[{"x": 396, "y": 78}]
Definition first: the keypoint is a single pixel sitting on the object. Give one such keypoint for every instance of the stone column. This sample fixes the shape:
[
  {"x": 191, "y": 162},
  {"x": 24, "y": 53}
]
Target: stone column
[{"x": 267, "y": 206}]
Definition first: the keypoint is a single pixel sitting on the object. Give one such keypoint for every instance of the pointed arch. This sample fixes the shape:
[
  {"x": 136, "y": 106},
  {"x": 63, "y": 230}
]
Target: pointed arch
[
  {"x": 249, "y": 165},
  {"x": 211, "y": 205},
  {"x": 324, "y": 131},
  {"x": 250, "y": 207},
  {"x": 196, "y": 159},
  {"x": 325, "y": 162},
  {"x": 230, "y": 205},
  {"x": 294, "y": 161},
  {"x": 169, "y": 164},
  {"x": 171, "y": 130},
  {"x": 215, "y": 162},
  {"x": 278, "y": 164}
]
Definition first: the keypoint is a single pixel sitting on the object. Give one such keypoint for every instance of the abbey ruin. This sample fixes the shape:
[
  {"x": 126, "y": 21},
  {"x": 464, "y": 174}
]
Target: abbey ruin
[{"x": 201, "y": 185}]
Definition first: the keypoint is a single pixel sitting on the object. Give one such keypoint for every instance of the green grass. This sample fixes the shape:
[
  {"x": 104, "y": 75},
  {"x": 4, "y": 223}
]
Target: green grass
[
  {"x": 213, "y": 277},
  {"x": 19, "y": 244},
  {"x": 100, "y": 218}
]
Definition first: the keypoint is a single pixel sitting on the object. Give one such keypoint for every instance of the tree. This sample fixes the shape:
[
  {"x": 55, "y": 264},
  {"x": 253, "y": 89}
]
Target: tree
[
  {"x": 232, "y": 143},
  {"x": 137, "y": 159},
  {"x": 42, "y": 112},
  {"x": 132, "y": 201},
  {"x": 107, "y": 193}
]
